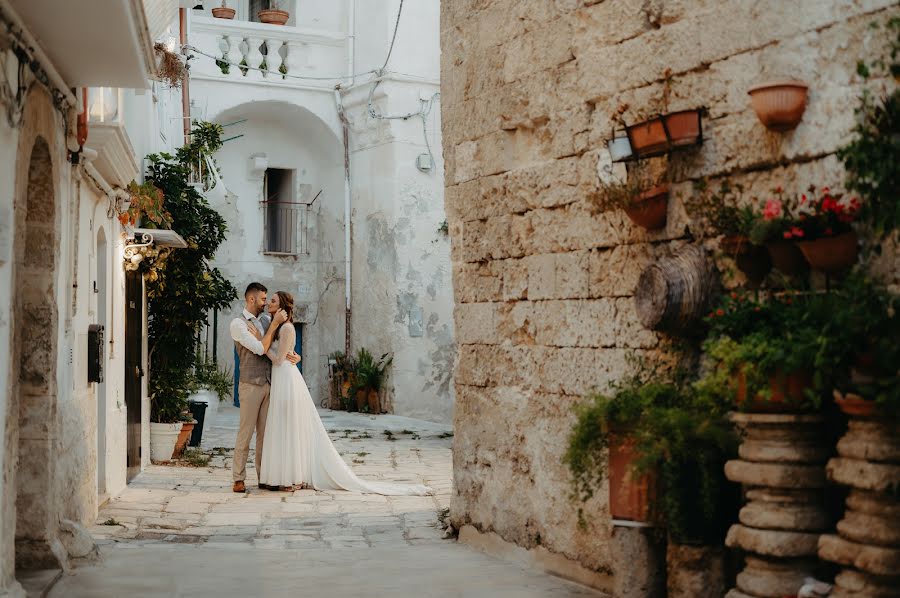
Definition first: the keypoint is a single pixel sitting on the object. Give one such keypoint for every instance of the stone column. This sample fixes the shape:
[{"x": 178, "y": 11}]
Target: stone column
[
  {"x": 782, "y": 468},
  {"x": 255, "y": 57},
  {"x": 867, "y": 542}
]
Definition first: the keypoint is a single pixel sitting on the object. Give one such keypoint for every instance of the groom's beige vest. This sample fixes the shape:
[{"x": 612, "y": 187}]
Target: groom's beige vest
[{"x": 255, "y": 369}]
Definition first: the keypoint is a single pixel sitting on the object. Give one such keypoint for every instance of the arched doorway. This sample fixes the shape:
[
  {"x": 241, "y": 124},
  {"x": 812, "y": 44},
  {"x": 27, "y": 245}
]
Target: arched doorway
[
  {"x": 102, "y": 407},
  {"x": 34, "y": 397}
]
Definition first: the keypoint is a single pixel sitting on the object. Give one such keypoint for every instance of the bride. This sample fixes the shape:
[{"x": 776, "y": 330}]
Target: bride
[{"x": 296, "y": 448}]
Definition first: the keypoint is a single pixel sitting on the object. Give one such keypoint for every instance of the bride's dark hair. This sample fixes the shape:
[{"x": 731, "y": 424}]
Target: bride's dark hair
[{"x": 285, "y": 302}]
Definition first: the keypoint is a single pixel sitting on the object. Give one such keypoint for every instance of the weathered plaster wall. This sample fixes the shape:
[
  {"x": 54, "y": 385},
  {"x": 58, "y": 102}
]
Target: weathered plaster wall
[
  {"x": 291, "y": 137},
  {"x": 401, "y": 272},
  {"x": 543, "y": 287}
]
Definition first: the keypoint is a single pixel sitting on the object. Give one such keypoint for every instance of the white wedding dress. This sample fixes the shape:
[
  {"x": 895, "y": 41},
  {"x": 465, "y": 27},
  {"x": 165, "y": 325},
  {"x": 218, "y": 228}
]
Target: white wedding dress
[{"x": 296, "y": 448}]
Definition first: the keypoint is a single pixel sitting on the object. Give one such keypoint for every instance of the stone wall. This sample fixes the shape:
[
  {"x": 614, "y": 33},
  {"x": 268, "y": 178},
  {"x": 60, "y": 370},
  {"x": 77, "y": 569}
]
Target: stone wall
[{"x": 543, "y": 286}]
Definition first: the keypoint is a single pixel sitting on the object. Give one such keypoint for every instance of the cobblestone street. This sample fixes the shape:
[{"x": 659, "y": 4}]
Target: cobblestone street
[{"x": 181, "y": 531}]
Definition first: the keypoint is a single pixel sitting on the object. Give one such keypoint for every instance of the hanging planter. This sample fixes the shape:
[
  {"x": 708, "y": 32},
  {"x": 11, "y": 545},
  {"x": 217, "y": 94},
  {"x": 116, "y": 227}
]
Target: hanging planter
[
  {"x": 274, "y": 16},
  {"x": 855, "y": 405},
  {"x": 786, "y": 257},
  {"x": 831, "y": 254},
  {"x": 684, "y": 127},
  {"x": 649, "y": 208},
  {"x": 779, "y": 105},
  {"x": 648, "y": 138},
  {"x": 751, "y": 259}
]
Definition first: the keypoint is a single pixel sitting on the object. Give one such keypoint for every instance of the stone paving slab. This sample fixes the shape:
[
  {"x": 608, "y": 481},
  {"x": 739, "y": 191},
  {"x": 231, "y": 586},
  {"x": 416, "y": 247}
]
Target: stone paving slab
[{"x": 180, "y": 531}]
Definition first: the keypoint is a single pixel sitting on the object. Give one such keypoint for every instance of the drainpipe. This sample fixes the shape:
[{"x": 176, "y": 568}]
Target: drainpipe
[
  {"x": 345, "y": 129},
  {"x": 185, "y": 93}
]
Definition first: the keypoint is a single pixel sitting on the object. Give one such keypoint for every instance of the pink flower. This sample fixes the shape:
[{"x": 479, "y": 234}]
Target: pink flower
[
  {"x": 787, "y": 234},
  {"x": 796, "y": 232},
  {"x": 772, "y": 209}
]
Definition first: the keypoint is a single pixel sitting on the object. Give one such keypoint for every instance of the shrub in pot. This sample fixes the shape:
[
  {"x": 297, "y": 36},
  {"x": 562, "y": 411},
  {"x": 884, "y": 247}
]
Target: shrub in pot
[
  {"x": 367, "y": 380},
  {"x": 643, "y": 197}
]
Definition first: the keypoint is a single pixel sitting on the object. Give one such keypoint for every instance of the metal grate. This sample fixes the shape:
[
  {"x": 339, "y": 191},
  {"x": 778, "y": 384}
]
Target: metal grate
[{"x": 285, "y": 226}]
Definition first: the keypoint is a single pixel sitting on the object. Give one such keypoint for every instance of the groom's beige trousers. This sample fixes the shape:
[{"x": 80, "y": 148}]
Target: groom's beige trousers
[{"x": 254, "y": 409}]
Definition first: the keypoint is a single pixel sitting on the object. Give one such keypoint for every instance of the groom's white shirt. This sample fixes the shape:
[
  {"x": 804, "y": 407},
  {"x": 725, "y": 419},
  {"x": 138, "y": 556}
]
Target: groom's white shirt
[{"x": 240, "y": 333}]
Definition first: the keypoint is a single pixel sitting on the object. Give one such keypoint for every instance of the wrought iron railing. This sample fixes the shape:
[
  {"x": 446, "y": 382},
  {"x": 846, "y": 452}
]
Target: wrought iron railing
[{"x": 285, "y": 226}]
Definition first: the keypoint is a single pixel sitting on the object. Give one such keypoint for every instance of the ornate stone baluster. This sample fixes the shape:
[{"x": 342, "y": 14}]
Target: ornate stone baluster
[
  {"x": 233, "y": 55},
  {"x": 782, "y": 468},
  {"x": 867, "y": 542},
  {"x": 254, "y": 56},
  {"x": 274, "y": 58}
]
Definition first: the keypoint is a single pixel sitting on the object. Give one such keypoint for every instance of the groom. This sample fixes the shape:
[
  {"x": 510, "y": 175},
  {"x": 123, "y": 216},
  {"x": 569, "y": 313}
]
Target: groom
[{"x": 256, "y": 372}]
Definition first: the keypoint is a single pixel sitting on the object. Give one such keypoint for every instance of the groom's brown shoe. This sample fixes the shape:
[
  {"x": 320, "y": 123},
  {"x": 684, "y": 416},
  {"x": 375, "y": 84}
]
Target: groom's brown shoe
[
  {"x": 263, "y": 486},
  {"x": 238, "y": 487}
]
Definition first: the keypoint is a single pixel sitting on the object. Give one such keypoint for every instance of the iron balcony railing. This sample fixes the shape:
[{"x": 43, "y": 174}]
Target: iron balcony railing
[{"x": 285, "y": 227}]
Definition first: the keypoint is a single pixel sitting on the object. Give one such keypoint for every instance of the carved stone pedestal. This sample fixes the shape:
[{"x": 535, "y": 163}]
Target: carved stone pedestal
[
  {"x": 867, "y": 542},
  {"x": 782, "y": 469}
]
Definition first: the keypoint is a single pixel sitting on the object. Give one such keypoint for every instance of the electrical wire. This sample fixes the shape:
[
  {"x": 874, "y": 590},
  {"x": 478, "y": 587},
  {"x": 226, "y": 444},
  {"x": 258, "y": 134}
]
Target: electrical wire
[
  {"x": 220, "y": 60},
  {"x": 393, "y": 37}
]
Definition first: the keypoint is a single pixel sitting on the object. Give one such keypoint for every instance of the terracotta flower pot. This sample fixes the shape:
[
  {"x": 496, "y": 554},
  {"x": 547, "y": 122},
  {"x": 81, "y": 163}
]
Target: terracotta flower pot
[
  {"x": 274, "y": 16},
  {"x": 855, "y": 405},
  {"x": 787, "y": 393},
  {"x": 787, "y": 257},
  {"x": 183, "y": 438},
  {"x": 684, "y": 127},
  {"x": 752, "y": 260},
  {"x": 223, "y": 12},
  {"x": 648, "y": 138},
  {"x": 650, "y": 207},
  {"x": 629, "y": 495},
  {"x": 779, "y": 105},
  {"x": 374, "y": 403},
  {"x": 831, "y": 254}
]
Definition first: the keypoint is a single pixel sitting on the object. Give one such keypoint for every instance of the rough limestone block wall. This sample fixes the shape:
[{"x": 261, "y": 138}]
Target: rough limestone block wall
[{"x": 543, "y": 287}]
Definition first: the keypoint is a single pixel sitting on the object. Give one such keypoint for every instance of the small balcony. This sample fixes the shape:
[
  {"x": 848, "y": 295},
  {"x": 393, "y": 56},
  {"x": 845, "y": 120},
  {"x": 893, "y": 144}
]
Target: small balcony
[
  {"x": 115, "y": 161},
  {"x": 244, "y": 51}
]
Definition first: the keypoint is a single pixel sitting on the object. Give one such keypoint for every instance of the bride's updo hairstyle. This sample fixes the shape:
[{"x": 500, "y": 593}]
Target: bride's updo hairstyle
[{"x": 286, "y": 302}]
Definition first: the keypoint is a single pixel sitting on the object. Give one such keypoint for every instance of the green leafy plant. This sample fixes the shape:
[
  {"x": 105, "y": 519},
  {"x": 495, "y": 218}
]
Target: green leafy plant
[
  {"x": 722, "y": 211},
  {"x": 194, "y": 457},
  {"x": 243, "y": 66},
  {"x": 620, "y": 193},
  {"x": 188, "y": 286},
  {"x": 872, "y": 158},
  {"x": 680, "y": 438},
  {"x": 223, "y": 65},
  {"x": 208, "y": 374},
  {"x": 368, "y": 373}
]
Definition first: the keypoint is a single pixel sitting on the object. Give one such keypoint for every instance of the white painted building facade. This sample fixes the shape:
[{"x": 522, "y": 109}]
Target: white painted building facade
[
  {"x": 61, "y": 262},
  {"x": 374, "y": 243}
]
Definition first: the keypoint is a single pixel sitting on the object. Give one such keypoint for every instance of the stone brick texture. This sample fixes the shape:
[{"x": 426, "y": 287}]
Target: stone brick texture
[{"x": 543, "y": 284}]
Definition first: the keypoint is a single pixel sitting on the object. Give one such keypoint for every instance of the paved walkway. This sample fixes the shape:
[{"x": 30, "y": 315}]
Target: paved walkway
[{"x": 180, "y": 531}]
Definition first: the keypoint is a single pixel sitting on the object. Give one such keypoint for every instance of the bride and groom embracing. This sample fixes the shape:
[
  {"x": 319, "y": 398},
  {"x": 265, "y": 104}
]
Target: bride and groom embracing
[{"x": 292, "y": 445}]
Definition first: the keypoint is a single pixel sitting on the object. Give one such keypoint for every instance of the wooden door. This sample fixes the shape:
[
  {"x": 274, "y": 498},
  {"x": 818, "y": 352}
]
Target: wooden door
[{"x": 134, "y": 324}]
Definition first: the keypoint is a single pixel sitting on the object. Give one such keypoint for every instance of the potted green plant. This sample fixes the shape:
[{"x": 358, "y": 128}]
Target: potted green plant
[
  {"x": 367, "y": 380},
  {"x": 167, "y": 403},
  {"x": 724, "y": 211},
  {"x": 643, "y": 199},
  {"x": 771, "y": 353},
  {"x": 223, "y": 12},
  {"x": 274, "y": 15}
]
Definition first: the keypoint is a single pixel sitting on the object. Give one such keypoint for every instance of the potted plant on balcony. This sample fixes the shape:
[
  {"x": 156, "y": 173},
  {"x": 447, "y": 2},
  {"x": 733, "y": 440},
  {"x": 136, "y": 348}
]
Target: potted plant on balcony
[
  {"x": 223, "y": 12},
  {"x": 643, "y": 197},
  {"x": 777, "y": 231},
  {"x": 274, "y": 15}
]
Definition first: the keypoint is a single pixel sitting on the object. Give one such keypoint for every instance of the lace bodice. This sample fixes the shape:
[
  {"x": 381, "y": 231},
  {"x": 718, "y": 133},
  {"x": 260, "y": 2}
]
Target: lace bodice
[{"x": 285, "y": 344}]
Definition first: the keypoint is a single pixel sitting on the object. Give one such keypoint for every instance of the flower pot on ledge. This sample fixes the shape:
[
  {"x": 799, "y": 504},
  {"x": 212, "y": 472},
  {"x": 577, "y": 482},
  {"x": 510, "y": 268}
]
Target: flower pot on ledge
[
  {"x": 779, "y": 105},
  {"x": 650, "y": 207},
  {"x": 787, "y": 394},
  {"x": 223, "y": 12},
  {"x": 831, "y": 254},
  {"x": 630, "y": 495},
  {"x": 684, "y": 127},
  {"x": 753, "y": 260},
  {"x": 274, "y": 16},
  {"x": 787, "y": 257}
]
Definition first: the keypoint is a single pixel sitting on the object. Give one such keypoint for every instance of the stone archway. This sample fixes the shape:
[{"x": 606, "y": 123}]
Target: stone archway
[{"x": 35, "y": 327}]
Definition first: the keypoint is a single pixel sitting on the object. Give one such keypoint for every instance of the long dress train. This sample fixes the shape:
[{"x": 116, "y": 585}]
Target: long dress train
[{"x": 297, "y": 448}]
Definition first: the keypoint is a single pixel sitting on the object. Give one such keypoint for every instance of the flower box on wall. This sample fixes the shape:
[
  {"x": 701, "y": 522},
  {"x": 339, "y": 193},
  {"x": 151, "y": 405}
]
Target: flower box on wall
[
  {"x": 662, "y": 134},
  {"x": 779, "y": 105}
]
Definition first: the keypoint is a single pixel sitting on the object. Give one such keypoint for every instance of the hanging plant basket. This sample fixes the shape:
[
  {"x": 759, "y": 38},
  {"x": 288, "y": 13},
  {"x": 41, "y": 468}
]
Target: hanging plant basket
[
  {"x": 831, "y": 254},
  {"x": 223, "y": 12},
  {"x": 684, "y": 127},
  {"x": 650, "y": 207},
  {"x": 779, "y": 105},
  {"x": 753, "y": 260},
  {"x": 787, "y": 257},
  {"x": 274, "y": 16}
]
